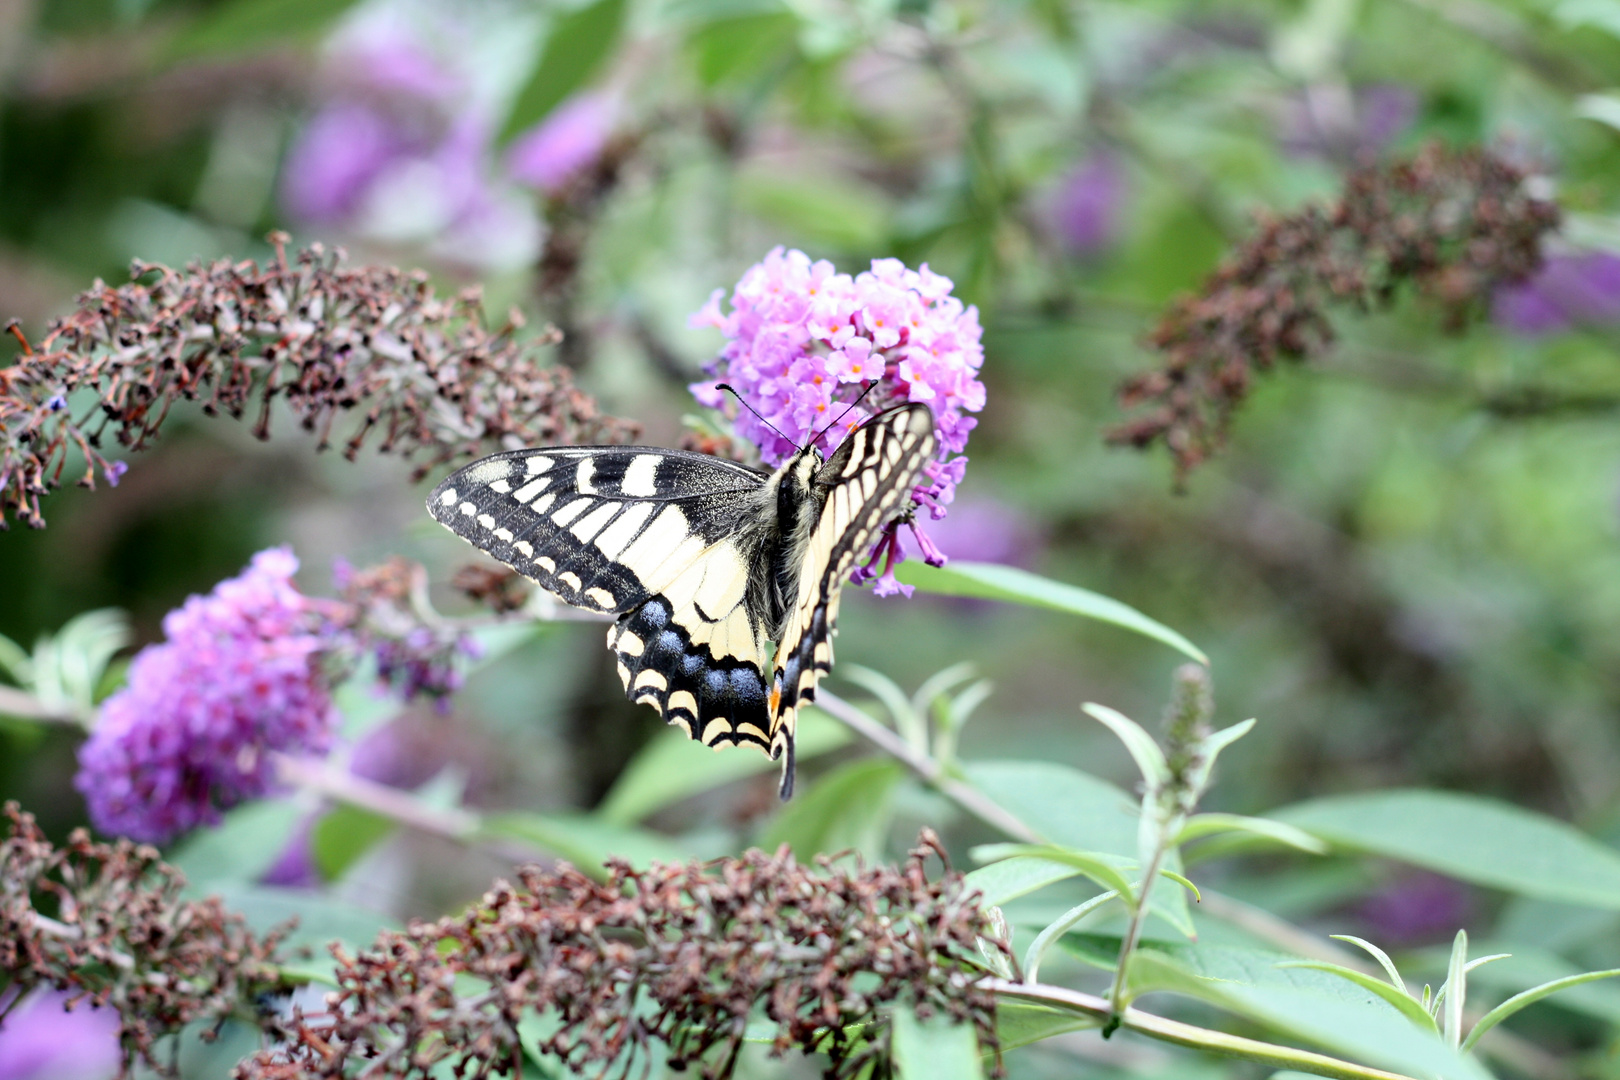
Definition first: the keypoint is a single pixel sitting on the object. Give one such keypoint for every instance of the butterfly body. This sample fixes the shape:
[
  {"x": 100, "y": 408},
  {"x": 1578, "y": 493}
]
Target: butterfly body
[{"x": 704, "y": 562}]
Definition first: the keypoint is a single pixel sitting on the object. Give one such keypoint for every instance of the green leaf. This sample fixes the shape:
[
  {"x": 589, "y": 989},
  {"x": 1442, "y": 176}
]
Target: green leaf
[
  {"x": 1303, "y": 1003},
  {"x": 673, "y": 767},
  {"x": 1377, "y": 954},
  {"x": 1019, "y": 1023},
  {"x": 343, "y": 835},
  {"x": 907, "y": 719},
  {"x": 585, "y": 840},
  {"x": 575, "y": 48},
  {"x": 67, "y": 666},
  {"x": 250, "y": 24},
  {"x": 1530, "y": 997},
  {"x": 1062, "y": 925},
  {"x": 15, "y": 663},
  {"x": 1396, "y": 996},
  {"x": 1143, "y": 750},
  {"x": 1201, "y": 825},
  {"x": 732, "y": 50},
  {"x": 1527, "y": 966},
  {"x": 846, "y": 809},
  {"x": 240, "y": 849},
  {"x": 1465, "y": 836},
  {"x": 934, "y": 1049},
  {"x": 1101, "y": 868},
  {"x": 1063, "y": 805},
  {"x": 830, "y": 210},
  {"x": 1455, "y": 990},
  {"x": 1008, "y": 879},
  {"x": 989, "y": 581}
]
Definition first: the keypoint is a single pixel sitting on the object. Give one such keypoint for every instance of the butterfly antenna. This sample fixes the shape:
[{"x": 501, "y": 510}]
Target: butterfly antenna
[
  {"x": 732, "y": 390},
  {"x": 843, "y": 414}
]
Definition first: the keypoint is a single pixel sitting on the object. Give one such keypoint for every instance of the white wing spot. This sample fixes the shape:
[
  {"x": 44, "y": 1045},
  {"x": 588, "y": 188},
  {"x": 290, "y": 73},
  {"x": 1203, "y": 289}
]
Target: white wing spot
[
  {"x": 618, "y": 535},
  {"x": 545, "y": 563},
  {"x": 524, "y": 548},
  {"x": 652, "y": 678},
  {"x": 570, "y": 579},
  {"x": 504, "y": 534},
  {"x": 629, "y": 644},
  {"x": 682, "y": 701},
  {"x": 537, "y": 464},
  {"x": 543, "y": 503},
  {"x": 715, "y": 731},
  {"x": 449, "y": 497},
  {"x": 641, "y": 478},
  {"x": 486, "y": 520},
  {"x": 583, "y": 475},
  {"x": 530, "y": 490},
  {"x": 600, "y": 597},
  {"x": 569, "y": 511},
  {"x": 500, "y": 487},
  {"x": 469, "y": 509},
  {"x": 487, "y": 472},
  {"x": 868, "y": 483},
  {"x": 591, "y": 524}
]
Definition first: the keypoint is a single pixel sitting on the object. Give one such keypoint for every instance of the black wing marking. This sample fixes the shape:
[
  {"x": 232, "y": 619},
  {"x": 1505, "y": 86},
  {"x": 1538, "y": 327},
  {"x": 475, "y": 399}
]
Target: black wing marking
[
  {"x": 868, "y": 481},
  {"x": 603, "y": 528},
  {"x": 658, "y": 537}
]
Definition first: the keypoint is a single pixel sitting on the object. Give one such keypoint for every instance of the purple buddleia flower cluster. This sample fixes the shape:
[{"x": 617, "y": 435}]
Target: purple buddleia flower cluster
[
  {"x": 817, "y": 353},
  {"x": 241, "y": 673}
]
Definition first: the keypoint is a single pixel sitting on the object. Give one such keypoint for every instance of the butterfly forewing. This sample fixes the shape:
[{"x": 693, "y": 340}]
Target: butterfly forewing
[
  {"x": 603, "y": 528},
  {"x": 867, "y": 482}
]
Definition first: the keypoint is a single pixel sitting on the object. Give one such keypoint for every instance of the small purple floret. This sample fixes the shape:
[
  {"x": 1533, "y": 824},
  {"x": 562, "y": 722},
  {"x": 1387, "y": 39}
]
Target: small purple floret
[{"x": 239, "y": 675}]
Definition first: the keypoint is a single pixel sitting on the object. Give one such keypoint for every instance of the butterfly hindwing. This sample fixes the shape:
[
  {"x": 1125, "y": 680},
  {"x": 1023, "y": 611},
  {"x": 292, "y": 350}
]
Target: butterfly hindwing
[{"x": 867, "y": 482}]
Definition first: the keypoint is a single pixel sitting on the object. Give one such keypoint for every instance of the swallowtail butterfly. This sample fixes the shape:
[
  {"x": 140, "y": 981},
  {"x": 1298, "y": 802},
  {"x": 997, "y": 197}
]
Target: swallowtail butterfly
[{"x": 704, "y": 562}]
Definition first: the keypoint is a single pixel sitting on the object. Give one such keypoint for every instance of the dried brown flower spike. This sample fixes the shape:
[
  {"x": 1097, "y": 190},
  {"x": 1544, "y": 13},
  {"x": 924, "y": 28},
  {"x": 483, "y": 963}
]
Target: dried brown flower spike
[
  {"x": 105, "y": 922},
  {"x": 332, "y": 341},
  {"x": 678, "y": 955},
  {"x": 1454, "y": 224}
]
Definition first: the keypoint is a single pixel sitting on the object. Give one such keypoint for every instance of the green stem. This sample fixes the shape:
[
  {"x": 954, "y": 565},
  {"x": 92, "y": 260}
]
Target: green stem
[
  {"x": 1190, "y": 1035},
  {"x": 1133, "y": 934}
]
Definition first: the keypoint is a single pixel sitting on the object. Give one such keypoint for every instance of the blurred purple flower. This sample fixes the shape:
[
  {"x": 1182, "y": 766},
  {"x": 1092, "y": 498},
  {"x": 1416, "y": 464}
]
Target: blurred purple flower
[
  {"x": 1418, "y": 908},
  {"x": 41, "y": 1040},
  {"x": 295, "y": 867},
  {"x": 239, "y": 675},
  {"x": 984, "y": 529},
  {"x": 401, "y": 153},
  {"x": 1580, "y": 289},
  {"x": 804, "y": 342},
  {"x": 336, "y": 159},
  {"x": 1365, "y": 123},
  {"x": 1088, "y": 206},
  {"x": 565, "y": 143}
]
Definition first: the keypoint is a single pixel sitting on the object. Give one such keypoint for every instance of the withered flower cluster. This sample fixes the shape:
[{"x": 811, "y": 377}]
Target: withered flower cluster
[
  {"x": 678, "y": 955},
  {"x": 105, "y": 923},
  {"x": 1454, "y": 225},
  {"x": 354, "y": 351},
  {"x": 497, "y": 588}
]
